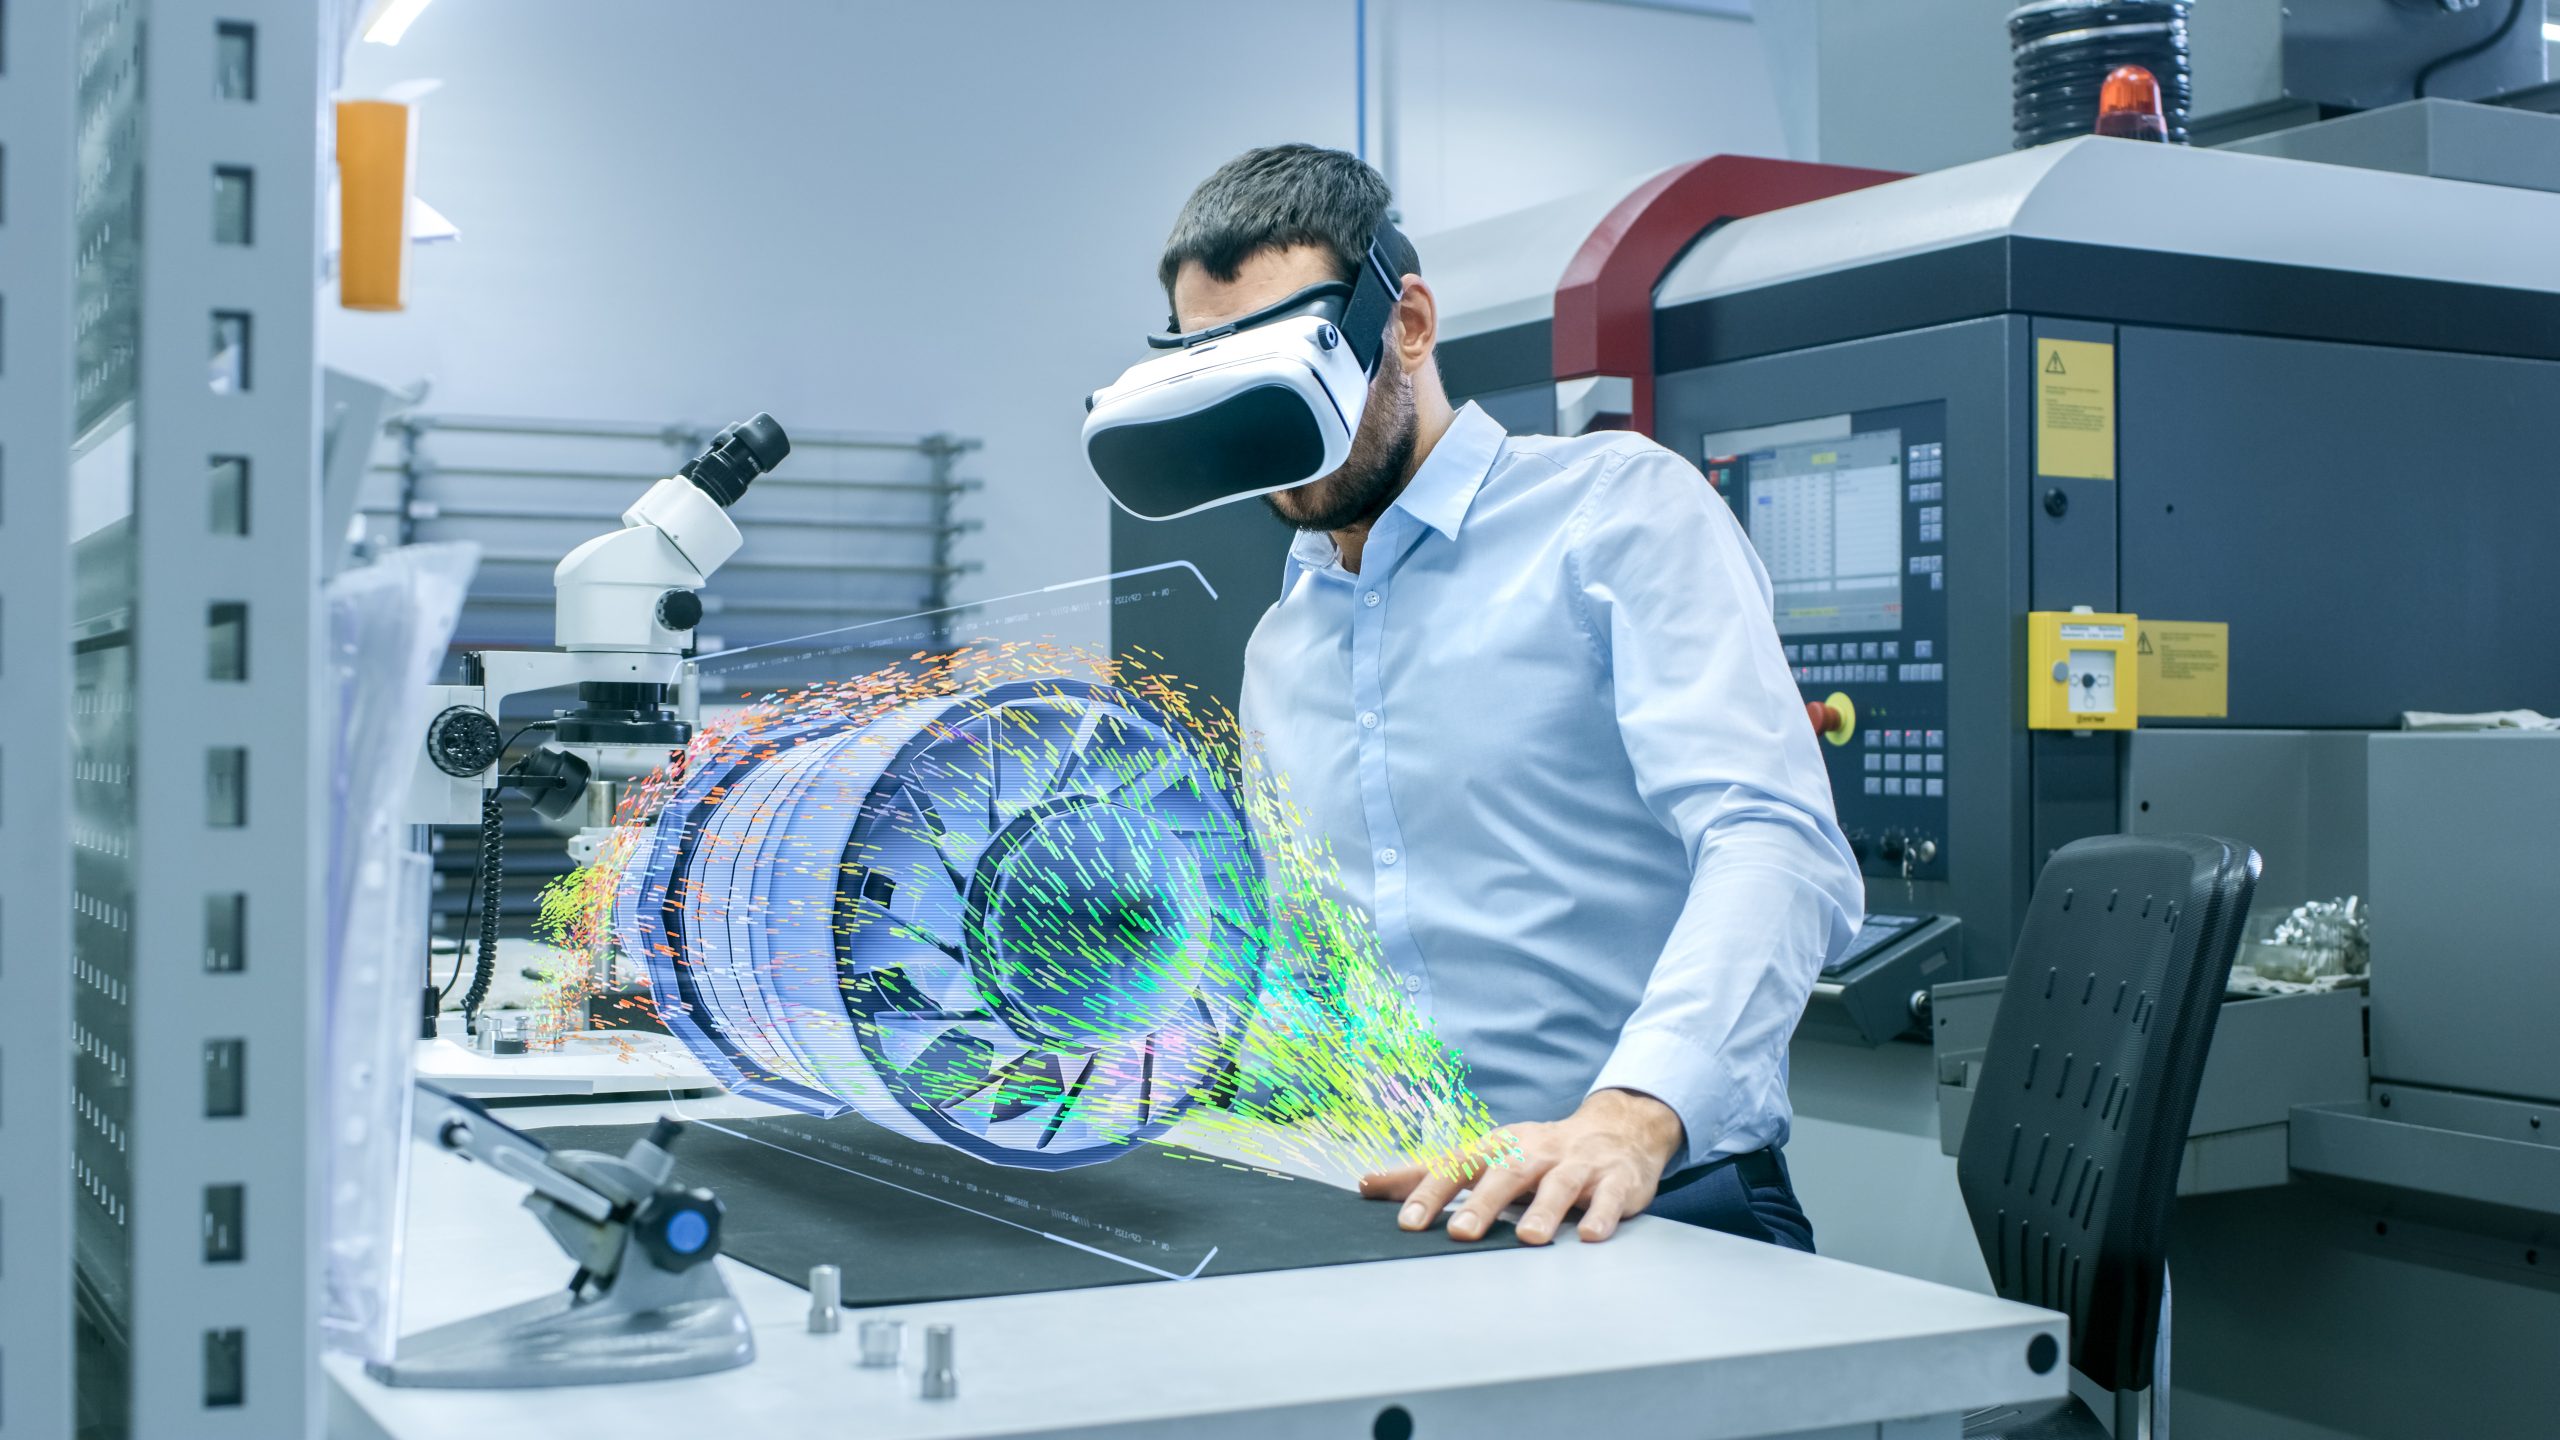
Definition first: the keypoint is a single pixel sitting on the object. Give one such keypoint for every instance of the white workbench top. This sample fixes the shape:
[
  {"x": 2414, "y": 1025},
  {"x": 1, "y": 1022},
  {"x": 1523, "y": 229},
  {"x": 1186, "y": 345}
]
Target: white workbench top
[
  {"x": 598, "y": 1062},
  {"x": 1663, "y": 1330}
]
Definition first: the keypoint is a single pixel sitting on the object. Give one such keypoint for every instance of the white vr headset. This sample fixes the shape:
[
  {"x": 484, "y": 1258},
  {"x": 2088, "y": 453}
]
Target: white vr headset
[{"x": 1264, "y": 402}]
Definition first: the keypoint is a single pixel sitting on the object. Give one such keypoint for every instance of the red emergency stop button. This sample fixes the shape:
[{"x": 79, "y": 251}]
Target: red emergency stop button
[{"x": 1834, "y": 719}]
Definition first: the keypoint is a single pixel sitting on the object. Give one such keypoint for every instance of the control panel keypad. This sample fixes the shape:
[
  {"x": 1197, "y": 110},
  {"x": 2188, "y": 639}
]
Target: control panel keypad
[{"x": 1853, "y": 523}]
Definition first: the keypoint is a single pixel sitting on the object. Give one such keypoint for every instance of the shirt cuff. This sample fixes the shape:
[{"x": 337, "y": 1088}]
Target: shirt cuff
[{"x": 1680, "y": 1073}]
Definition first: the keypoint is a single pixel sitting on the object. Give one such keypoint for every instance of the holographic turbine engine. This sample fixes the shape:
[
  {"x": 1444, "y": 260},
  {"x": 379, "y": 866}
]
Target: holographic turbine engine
[{"x": 1019, "y": 921}]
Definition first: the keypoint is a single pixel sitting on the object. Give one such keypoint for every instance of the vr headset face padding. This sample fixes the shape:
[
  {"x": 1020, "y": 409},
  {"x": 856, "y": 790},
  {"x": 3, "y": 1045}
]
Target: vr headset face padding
[{"x": 1264, "y": 402}]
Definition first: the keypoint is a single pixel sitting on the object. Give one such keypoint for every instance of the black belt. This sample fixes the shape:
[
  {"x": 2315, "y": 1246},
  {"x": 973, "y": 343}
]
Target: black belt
[{"x": 1757, "y": 1167}]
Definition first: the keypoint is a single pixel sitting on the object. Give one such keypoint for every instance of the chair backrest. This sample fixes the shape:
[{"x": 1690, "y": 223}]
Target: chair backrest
[{"x": 2070, "y": 1158}]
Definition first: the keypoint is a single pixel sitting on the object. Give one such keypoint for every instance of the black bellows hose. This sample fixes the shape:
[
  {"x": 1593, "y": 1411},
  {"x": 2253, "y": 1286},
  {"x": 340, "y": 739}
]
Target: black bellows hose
[{"x": 493, "y": 874}]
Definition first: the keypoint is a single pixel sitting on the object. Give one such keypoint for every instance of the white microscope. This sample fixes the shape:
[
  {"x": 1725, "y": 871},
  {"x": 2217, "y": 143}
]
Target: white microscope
[{"x": 626, "y": 603}]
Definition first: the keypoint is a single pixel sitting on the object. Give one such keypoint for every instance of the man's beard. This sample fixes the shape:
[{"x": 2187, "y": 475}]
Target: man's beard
[{"x": 1373, "y": 473}]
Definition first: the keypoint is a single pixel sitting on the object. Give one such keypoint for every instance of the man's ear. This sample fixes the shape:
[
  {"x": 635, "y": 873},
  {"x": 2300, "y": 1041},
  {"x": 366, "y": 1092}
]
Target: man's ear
[{"x": 1416, "y": 325}]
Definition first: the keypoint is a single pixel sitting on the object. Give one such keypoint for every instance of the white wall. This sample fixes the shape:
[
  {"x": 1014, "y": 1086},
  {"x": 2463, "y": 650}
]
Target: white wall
[
  {"x": 1892, "y": 84},
  {"x": 869, "y": 215},
  {"x": 1504, "y": 103}
]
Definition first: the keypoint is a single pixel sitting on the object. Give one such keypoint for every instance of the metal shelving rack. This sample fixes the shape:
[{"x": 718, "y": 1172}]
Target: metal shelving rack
[{"x": 228, "y": 730}]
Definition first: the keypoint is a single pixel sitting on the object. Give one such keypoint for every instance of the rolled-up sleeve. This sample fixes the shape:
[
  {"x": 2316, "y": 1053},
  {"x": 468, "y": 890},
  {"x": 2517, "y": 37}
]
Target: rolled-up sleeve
[{"x": 1679, "y": 605}]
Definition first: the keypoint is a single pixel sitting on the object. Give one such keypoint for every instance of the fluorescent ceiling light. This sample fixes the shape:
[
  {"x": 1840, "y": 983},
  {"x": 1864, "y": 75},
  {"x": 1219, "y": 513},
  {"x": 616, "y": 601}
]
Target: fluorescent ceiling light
[
  {"x": 392, "y": 20},
  {"x": 2551, "y": 32}
]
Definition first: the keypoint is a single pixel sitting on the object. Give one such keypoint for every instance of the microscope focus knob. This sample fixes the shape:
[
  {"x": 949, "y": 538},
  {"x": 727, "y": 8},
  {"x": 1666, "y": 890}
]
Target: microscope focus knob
[
  {"x": 463, "y": 741},
  {"x": 680, "y": 609},
  {"x": 679, "y": 1228}
]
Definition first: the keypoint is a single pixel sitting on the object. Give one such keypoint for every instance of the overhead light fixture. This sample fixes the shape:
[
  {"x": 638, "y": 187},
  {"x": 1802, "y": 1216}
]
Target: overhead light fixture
[
  {"x": 2551, "y": 32},
  {"x": 387, "y": 20}
]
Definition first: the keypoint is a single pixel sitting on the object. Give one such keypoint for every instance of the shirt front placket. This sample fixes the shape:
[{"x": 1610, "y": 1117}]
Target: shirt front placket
[{"x": 1390, "y": 865}]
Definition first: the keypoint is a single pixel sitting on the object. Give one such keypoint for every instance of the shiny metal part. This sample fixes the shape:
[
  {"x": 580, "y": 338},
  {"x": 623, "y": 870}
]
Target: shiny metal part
[
  {"x": 941, "y": 1382},
  {"x": 883, "y": 1342},
  {"x": 826, "y": 1299}
]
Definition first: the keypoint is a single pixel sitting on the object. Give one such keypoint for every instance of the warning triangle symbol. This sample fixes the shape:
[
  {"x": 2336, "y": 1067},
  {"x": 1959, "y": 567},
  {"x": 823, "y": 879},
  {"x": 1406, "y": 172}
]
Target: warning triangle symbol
[
  {"x": 2053, "y": 363},
  {"x": 2144, "y": 647}
]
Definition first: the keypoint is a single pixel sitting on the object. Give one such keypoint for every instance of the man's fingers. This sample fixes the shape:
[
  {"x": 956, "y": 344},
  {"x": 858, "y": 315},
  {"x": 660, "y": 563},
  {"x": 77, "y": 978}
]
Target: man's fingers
[
  {"x": 1558, "y": 1193},
  {"x": 1498, "y": 1148},
  {"x": 1391, "y": 1184},
  {"x": 1494, "y": 1189},
  {"x": 1608, "y": 1206},
  {"x": 1424, "y": 1203}
]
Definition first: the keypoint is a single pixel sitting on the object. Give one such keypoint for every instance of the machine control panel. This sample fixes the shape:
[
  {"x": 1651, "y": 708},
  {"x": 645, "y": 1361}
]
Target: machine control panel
[{"x": 1848, "y": 514}]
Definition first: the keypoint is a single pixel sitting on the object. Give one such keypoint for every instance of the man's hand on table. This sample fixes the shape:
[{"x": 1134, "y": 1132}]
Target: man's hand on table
[{"x": 1604, "y": 1159}]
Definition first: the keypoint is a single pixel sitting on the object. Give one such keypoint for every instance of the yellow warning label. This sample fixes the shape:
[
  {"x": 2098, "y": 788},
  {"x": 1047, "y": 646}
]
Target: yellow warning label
[
  {"x": 2186, "y": 668},
  {"x": 2076, "y": 409}
]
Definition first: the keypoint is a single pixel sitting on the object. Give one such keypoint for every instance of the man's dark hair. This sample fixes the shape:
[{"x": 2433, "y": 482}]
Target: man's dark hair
[{"x": 1276, "y": 197}]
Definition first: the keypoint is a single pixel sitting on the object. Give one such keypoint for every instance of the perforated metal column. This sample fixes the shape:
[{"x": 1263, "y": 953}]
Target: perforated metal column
[
  {"x": 107, "y": 299},
  {"x": 228, "y": 749},
  {"x": 38, "y": 89}
]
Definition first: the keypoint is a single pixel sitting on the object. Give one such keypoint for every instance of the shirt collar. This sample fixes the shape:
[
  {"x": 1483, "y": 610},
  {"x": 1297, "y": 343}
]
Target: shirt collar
[
  {"x": 1437, "y": 496},
  {"x": 1309, "y": 550},
  {"x": 1446, "y": 485}
]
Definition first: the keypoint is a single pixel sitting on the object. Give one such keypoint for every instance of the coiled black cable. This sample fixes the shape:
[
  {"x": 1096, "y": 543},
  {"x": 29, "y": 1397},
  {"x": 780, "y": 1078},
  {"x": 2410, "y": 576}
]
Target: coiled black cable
[
  {"x": 493, "y": 875},
  {"x": 2427, "y": 72},
  {"x": 486, "y": 883}
]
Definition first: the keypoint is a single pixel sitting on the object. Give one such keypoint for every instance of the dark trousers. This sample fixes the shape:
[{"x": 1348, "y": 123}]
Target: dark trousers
[{"x": 1746, "y": 1195}]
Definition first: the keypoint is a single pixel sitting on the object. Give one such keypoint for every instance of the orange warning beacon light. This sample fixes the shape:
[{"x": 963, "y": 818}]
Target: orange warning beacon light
[{"x": 2129, "y": 105}]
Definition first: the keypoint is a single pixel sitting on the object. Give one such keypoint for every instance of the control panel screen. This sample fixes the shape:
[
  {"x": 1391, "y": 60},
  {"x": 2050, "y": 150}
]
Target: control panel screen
[{"x": 1826, "y": 517}]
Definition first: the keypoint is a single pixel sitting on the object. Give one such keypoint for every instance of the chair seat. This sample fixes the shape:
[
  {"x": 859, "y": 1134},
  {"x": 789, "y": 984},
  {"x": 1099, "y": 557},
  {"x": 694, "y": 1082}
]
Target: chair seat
[{"x": 2064, "y": 1419}]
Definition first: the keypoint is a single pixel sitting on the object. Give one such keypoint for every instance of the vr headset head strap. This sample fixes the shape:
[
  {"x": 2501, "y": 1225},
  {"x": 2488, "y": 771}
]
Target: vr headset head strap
[
  {"x": 1374, "y": 293},
  {"x": 1362, "y": 307},
  {"x": 1325, "y": 297}
]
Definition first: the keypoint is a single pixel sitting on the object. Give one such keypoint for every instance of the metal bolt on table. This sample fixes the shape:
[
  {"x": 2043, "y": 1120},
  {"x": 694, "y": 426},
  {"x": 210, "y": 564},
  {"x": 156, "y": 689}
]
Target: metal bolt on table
[
  {"x": 940, "y": 1381},
  {"x": 826, "y": 1300},
  {"x": 882, "y": 1341}
]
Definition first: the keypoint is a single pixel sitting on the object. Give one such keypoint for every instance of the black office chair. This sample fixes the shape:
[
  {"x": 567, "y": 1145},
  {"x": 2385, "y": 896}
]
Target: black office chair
[{"x": 2070, "y": 1159}]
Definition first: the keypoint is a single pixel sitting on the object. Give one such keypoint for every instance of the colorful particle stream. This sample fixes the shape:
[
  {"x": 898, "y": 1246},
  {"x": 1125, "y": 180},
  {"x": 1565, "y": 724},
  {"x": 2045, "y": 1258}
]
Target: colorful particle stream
[{"x": 1012, "y": 899}]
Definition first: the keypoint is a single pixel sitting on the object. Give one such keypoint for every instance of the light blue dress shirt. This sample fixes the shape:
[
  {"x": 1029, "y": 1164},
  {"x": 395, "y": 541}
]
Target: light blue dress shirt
[{"x": 1551, "y": 739}]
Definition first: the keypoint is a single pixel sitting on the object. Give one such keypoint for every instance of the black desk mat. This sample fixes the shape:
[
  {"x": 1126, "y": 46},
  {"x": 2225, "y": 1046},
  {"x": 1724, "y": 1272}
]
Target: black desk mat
[{"x": 909, "y": 1222}]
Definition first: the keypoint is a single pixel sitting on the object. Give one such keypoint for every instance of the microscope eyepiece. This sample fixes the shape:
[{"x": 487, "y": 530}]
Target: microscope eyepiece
[{"x": 736, "y": 457}]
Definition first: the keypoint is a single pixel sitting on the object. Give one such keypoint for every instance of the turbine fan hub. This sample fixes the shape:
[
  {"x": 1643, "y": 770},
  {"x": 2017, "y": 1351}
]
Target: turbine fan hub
[{"x": 1081, "y": 923}]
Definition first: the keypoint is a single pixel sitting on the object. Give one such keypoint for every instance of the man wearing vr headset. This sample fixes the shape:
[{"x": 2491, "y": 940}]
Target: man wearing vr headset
[{"x": 1529, "y": 691}]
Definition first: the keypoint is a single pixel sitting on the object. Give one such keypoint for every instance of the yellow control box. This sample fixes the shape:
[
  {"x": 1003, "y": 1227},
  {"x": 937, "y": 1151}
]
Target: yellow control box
[{"x": 2082, "y": 671}]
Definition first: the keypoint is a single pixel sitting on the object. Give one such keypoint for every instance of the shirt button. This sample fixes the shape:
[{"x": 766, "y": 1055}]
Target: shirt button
[
  {"x": 1412, "y": 983},
  {"x": 1371, "y": 599},
  {"x": 1387, "y": 856},
  {"x": 1368, "y": 719}
]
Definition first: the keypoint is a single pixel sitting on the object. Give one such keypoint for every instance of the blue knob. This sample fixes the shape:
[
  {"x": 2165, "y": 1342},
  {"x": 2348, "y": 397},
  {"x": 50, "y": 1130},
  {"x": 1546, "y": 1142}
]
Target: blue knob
[{"x": 688, "y": 1231}]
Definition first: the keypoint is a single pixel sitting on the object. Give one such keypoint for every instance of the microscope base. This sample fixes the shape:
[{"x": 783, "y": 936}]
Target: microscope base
[{"x": 556, "y": 1340}]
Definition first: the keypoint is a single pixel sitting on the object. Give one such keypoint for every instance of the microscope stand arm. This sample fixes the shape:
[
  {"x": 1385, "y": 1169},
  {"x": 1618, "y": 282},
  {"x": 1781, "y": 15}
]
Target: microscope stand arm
[{"x": 465, "y": 1128}]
